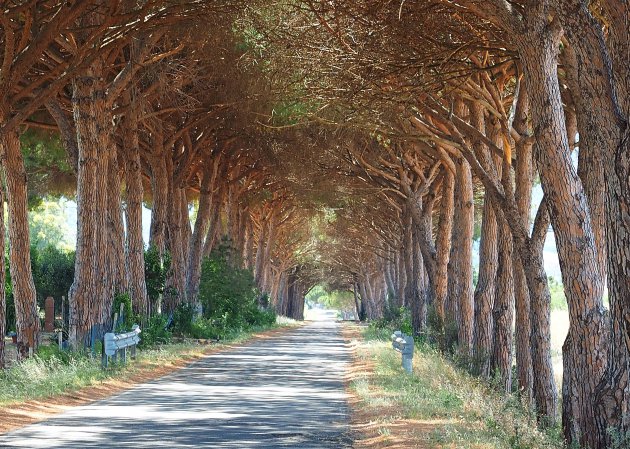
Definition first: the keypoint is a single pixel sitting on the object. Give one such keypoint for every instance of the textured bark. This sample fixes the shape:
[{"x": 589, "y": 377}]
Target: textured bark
[
  {"x": 584, "y": 357},
  {"x": 460, "y": 295},
  {"x": 523, "y": 193},
  {"x": 134, "y": 193},
  {"x": 408, "y": 259},
  {"x": 204, "y": 215},
  {"x": 116, "y": 229},
  {"x": 443, "y": 243},
  {"x": 485, "y": 291},
  {"x": 160, "y": 193},
  {"x": 419, "y": 298},
  {"x": 27, "y": 319},
  {"x": 92, "y": 286},
  {"x": 503, "y": 310}
]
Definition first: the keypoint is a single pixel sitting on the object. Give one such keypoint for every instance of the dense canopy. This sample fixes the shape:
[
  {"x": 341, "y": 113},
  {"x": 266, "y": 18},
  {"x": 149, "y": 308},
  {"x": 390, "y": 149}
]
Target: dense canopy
[{"x": 354, "y": 144}]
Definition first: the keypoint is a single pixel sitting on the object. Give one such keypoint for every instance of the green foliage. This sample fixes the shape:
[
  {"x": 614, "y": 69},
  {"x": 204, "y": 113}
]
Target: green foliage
[
  {"x": 396, "y": 319},
  {"x": 183, "y": 317},
  {"x": 229, "y": 295},
  {"x": 46, "y": 166},
  {"x": 155, "y": 332},
  {"x": 128, "y": 319},
  {"x": 53, "y": 272},
  {"x": 48, "y": 226},
  {"x": 156, "y": 269},
  {"x": 205, "y": 328}
]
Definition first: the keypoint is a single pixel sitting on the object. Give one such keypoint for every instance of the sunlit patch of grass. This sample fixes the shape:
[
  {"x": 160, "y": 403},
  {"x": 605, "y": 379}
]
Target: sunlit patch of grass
[{"x": 468, "y": 413}]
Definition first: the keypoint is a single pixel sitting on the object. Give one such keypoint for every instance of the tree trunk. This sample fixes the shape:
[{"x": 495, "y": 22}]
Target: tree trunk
[
  {"x": 204, "y": 213},
  {"x": 443, "y": 244},
  {"x": 503, "y": 311},
  {"x": 134, "y": 193},
  {"x": 91, "y": 288},
  {"x": 583, "y": 352},
  {"x": 485, "y": 291},
  {"x": 27, "y": 319},
  {"x": 523, "y": 193},
  {"x": 460, "y": 277}
]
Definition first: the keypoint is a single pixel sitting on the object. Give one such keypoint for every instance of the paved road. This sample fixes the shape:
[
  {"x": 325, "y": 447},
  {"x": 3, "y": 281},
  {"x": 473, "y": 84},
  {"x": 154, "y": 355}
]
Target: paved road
[{"x": 282, "y": 392}]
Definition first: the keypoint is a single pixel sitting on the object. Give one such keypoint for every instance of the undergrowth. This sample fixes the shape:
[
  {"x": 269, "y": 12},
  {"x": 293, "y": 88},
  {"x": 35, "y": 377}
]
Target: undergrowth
[{"x": 464, "y": 411}]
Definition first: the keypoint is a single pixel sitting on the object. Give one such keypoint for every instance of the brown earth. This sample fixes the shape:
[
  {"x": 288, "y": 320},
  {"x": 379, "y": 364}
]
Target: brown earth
[
  {"x": 381, "y": 427},
  {"x": 16, "y": 415}
]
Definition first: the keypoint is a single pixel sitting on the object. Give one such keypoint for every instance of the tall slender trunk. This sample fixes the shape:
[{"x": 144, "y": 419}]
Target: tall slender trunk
[
  {"x": 583, "y": 352},
  {"x": 160, "y": 188},
  {"x": 523, "y": 194},
  {"x": 485, "y": 291},
  {"x": 27, "y": 319},
  {"x": 116, "y": 227},
  {"x": 134, "y": 194},
  {"x": 443, "y": 243},
  {"x": 204, "y": 215},
  {"x": 460, "y": 279},
  {"x": 503, "y": 311}
]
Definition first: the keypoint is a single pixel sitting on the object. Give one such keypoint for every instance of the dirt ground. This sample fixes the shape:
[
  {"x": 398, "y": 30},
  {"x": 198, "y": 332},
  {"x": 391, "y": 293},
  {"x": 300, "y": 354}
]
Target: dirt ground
[{"x": 21, "y": 414}]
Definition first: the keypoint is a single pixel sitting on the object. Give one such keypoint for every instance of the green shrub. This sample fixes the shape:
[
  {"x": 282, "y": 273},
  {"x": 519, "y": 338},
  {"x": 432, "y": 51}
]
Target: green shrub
[
  {"x": 227, "y": 292},
  {"x": 155, "y": 332},
  {"x": 204, "y": 328},
  {"x": 128, "y": 319},
  {"x": 183, "y": 317}
]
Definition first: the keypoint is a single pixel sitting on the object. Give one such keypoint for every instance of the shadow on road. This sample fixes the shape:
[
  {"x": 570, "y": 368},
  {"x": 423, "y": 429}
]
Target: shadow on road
[{"x": 282, "y": 392}]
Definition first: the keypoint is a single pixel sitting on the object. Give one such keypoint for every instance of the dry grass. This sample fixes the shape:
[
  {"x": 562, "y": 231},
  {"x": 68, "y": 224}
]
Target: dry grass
[{"x": 439, "y": 406}]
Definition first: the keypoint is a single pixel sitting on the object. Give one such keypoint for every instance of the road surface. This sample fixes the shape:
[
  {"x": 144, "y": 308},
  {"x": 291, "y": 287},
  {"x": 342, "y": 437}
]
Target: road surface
[{"x": 281, "y": 392}]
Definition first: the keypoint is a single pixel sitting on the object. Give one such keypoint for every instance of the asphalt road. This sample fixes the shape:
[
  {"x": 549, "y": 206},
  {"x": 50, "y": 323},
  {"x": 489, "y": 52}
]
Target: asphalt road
[{"x": 282, "y": 392}]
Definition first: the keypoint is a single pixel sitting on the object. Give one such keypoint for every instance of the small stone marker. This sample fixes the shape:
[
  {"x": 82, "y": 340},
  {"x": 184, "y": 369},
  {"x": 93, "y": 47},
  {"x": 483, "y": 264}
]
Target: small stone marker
[{"x": 49, "y": 319}]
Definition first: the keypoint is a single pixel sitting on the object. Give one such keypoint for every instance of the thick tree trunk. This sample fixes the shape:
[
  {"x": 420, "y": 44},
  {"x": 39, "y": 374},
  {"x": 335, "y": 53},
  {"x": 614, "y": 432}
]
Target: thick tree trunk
[
  {"x": 27, "y": 319},
  {"x": 419, "y": 298},
  {"x": 584, "y": 355},
  {"x": 92, "y": 286}
]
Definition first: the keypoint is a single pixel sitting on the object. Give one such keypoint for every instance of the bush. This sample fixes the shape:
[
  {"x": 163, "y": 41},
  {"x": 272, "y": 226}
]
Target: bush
[
  {"x": 204, "y": 328},
  {"x": 128, "y": 319},
  {"x": 155, "y": 332},
  {"x": 183, "y": 317},
  {"x": 397, "y": 319},
  {"x": 227, "y": 292}
]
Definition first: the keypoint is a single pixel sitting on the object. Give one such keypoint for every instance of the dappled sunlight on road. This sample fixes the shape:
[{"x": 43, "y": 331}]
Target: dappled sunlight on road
[{"x": 280, "y": 392}]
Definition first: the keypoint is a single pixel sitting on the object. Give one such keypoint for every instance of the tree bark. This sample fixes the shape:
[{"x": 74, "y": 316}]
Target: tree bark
[
  {"x": 443, "y": 244},
  {"x": 27, "y": 319},
  {"x": 460, "y": 278},
  {"x": 583, "y": 352},
  {"x": 3, "y": 299},
  {"x": 134, "y": 193},
  {"x": 485, "y": 291}
]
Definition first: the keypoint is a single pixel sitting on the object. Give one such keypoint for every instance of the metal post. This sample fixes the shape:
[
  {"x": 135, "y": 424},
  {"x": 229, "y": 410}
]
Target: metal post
[{"x": 60, "y": 340}]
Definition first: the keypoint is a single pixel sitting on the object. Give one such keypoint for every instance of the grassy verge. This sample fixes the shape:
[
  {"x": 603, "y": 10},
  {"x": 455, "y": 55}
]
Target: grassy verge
[
  {"x": 440, "y": 406},
  {"x": 53, "y": 373}
]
